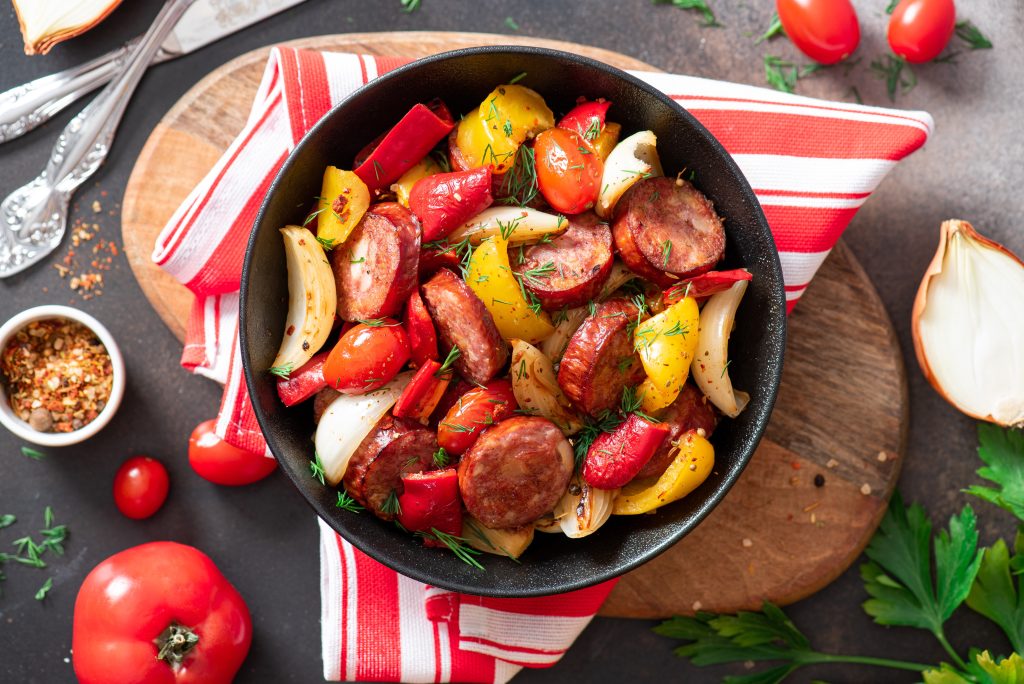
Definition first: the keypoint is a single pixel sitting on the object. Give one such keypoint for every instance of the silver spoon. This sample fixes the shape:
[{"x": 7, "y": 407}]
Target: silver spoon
[{"x": 33, "y": 217}]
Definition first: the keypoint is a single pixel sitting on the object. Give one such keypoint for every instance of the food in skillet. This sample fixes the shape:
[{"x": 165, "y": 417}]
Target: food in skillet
[{"x": 496, "y": 320}]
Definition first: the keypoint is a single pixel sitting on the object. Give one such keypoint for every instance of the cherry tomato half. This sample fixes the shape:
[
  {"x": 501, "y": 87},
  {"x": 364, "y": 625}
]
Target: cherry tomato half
[
  {"x": 367, "y": 357},
  {"x": 221, "y": 463},
  {"x": 475, "y": 410},
  {"x": 827, "y": 31},
  {"x": 140, "y": 487},
  {"x": 919, "y": 30},
  {"x": 568, "y": 170}
]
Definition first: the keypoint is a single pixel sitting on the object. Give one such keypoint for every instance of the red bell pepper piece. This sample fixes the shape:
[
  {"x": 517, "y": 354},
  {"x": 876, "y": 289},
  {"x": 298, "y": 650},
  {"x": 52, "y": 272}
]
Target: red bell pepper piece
[
  {"x": 303, "y": 383},
  {"x": 419, "y": 328},
  {"x": 616, "y": 457},
  {"x": 445, "y": 201},
  {"x": 433, "y": 258},
  {"x": 586, "y": 119},
  {"x": 406, "y": 144},
  {"x": 430, "y": 501},
  {"x": 705, "y": 285},
  {"x": 423, "y": 393}
]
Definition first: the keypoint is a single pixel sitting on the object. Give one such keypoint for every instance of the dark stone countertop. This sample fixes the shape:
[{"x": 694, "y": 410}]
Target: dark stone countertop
[{"x": 264, "y": 538}]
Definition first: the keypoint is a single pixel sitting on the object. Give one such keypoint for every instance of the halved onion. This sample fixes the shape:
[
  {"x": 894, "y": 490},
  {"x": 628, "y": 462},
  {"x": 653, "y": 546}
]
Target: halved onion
[
  {"x": 710, "y": 365},
  {"x": 633, "y": 159},
  {"x": 583, "y": 512},
  {"x": 510, "y": 542},
  {"x": 519, "y": 224},
  {"x": 44, "y": 23},
  {"x": 536, "y": 388},
  {"x": 312, "y": 300},
  {"x": 968, "y": 325},
  {"x": 347, "y": 421}
]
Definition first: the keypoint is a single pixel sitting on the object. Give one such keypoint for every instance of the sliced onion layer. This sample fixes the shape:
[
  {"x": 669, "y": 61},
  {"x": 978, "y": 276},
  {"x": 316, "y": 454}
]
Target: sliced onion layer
[{"x": 710, "y": 365}]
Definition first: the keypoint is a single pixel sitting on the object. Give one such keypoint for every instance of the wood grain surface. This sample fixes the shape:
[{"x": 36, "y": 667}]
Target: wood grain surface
[{"x": 783, "y": 532}]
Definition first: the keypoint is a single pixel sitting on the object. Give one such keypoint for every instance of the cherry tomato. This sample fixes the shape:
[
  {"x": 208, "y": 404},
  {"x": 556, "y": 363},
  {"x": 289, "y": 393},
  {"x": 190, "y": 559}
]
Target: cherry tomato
[
  {"x": 568, "y": 171},
  {"x": 367, "y": 357},
  {"x": 473, "y": 412},
  {"x": 825, "y": 30},
  {"x": 920, "y": 29},
  {"x": 140, "y": 487},
  {"x": 222, "y": 463}
]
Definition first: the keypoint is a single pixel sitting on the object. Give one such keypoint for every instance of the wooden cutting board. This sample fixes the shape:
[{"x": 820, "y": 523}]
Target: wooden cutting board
[{"x": 819, "y": 482}]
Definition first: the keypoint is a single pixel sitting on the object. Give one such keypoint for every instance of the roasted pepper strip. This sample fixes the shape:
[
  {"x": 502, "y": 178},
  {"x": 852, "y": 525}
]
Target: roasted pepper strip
[
  {"x": 344, "y": 199},
  {"x": 405, "y": 145},
  {"x": 421, "y": 396},
  {"x": 666, "y": 344},
  {"x": 445, "y": 201},
  {"x": 430, "y": 501},
  {"x": 688, "y": 470},
  {"x": 303, "y": 383},
  {"x": 586, "y": 119},
  {"x": 705, "y": 285},
  {"x": 403, "y": 186},
  {"x": 616, "y": 457},
  {"x": 419, "y": 328},
  {"x": 491, "y": 133}
]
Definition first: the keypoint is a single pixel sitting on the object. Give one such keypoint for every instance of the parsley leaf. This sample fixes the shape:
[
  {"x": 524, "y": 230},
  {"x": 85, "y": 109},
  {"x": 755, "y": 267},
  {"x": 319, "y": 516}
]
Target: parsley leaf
[
  {"x": 997, "y": 595},
  {"x": 982, "y": 668},
  {"x": 697, "y": 5},
  {"x": 1003, "y": 454}
]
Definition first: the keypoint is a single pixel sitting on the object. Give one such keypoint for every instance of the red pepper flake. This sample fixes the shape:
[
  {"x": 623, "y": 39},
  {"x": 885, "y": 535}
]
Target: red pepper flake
[{"x": 795, "y": 465}]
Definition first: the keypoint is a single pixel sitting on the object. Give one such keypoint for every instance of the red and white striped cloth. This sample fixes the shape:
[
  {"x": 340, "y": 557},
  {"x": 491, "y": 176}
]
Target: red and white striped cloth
[{"x": 811, "y": 163}]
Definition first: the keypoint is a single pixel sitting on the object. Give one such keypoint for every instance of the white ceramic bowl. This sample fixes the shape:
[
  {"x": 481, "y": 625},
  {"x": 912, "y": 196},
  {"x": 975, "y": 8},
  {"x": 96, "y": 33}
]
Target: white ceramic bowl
[{"x": 58, "y": 439}]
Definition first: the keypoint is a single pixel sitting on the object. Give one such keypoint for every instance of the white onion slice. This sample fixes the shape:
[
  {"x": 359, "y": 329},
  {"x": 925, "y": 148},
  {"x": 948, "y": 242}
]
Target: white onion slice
[
  {"x": 582, "y": 514},
  {"x": 347, "y": 421},
  {"x": 536, "y": 388},
  {"x": 710, "y": 365},
  {"x": 510, "y": 542},
  {"x": 522, "y": 224},
  {"x": 968, "y": 325},
  {"x": 633, "y": 159}
]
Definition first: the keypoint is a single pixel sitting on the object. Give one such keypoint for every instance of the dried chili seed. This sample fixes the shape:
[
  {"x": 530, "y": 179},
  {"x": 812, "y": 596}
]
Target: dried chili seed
[{"x": 58, "y": 376}]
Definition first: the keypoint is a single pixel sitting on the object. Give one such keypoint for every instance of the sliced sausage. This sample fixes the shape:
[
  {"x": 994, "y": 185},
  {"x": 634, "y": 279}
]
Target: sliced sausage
[
  {"x": 600, "y": 359},
  {"x": 394, "y": 447},
  {"x": 690, "y": 411},
  {"x": 323, "y": 399},
  {"x": 375, "y": 270},
  {"x": 462, "y": 320},
  {"x": 516, "y": 472},
  {"x": 671, "y": 225},
  {"x": 571, "y": 269}
]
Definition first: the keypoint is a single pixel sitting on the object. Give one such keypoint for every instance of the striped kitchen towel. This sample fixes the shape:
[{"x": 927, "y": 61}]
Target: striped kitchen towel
[{"x": 811, "y": 163}]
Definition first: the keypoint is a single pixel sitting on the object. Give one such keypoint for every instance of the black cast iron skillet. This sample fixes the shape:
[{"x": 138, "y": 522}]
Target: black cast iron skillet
[{"x": 553, "y": 563}]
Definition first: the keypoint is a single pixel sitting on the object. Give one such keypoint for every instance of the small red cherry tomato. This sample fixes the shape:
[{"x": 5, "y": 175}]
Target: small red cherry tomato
[
  {"x": 568, "y": 170},
  {"x": 827, "y": 31},
  {"x": 367, "y": 357},
  {"x": 221, "y": 463},
  {"x": 919, "y": 30},
  {"x": 475, "y": 411},
  {"x": 140, "y": 487}
]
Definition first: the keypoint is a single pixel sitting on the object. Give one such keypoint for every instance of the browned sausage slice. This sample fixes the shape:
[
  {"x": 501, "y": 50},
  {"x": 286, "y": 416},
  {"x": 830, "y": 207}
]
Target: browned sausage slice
[
  {"x": 393, "y": 448},
  {"x": 375, "y": 269},
  {"x": 515, "y": 472},
  {"x": 323, "y": 399},
  {"x": 671, "y": 224},
  {"x": 690, "y": 411},
  {"x": 462, "y": 320},
  {"x": 600, "y": 359},
  {"x": 569, "y": 270}
]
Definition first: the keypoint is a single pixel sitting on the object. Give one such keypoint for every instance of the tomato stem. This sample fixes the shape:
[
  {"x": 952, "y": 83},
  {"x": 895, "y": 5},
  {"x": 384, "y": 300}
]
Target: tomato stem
[{"x": 174, "y": 643}]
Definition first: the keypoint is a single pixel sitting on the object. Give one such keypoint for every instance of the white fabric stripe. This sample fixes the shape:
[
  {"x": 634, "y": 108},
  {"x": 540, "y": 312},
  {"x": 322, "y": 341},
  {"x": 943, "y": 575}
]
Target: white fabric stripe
[
  {"x": 799, "y": 267},
  {"x": 210, "y": 331},
  {"x": 351, "y": 622},
  {"x": 371, "y": 67},
  {"x": 500, "y": 653},
  {"x": 271, "y": 73},
  {"x": 231, "y": 391},
  {"x": 444, "y": 647},
  {"x": 812, "y": 174},
  {"x": 504, "y": 671},
  {"x": 219, "y": 364},
  {"x": 675, "y": 84},
  {"x": 547, "y": 632},
  {"x": 812, "y": 202},
  {"x": 415, "y": 633},
  {"x": 330, "y": 603},
  {"x": 343, "y": 74},
  {"x": 795, "y": 294}
]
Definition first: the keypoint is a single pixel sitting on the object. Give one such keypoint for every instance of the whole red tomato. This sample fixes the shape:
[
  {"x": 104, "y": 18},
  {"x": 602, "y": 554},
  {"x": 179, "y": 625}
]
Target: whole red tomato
[
  {"x": 473, "y": 413},
  {"x": 827, "y": 31},
  {"x": 159, "y": 613},
  {"x": 367, "y": 357},
  {"x": 919, "y": 30},
  {"x": 222, "y": 463},
  {"x": 140, "y": 487},
  {"x": 568, "y": 170}
]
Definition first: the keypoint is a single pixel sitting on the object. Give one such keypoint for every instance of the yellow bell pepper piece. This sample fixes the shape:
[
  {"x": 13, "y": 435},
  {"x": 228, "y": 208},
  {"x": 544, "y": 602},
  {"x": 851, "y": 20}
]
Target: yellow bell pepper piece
[
  {"x": 403, "y": 186},
  {"x": 490, "y": 277},
  {"x": 344, "y": 199},
  {"x": 607, "y": 140},
  {"x": 492, "y": 133},
  {"x": 666, "y": 344},
  {"x": 688, "y": 470}
]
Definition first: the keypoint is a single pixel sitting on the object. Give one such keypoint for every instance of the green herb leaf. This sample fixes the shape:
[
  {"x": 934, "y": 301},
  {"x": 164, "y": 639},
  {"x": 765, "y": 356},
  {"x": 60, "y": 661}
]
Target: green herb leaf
[
  {"x": 892, "y": 6},
  {"x": 1003, "y": 454},
  {"x": 45, "y": 589},
  {"x": 328, "y": 244},
  {"x": 34, "y": 454},
  {"x": 700, "y": 6},
  {"x": 774, "y": 29},
  {"x": 999, "y": 596},
  {"x": 282, "y": 371},
  {"x": 457, "y": 545},
  {"x": 441, "y": 458},
  {"x": 896, "y": 73},
  {"x": 6, "y": 520},
  {"x": 449, "y": 361},
  {"x": 409, "y": 6},
  {"x": 972, "y": 36},
  {"x": 391, "y": 506},
  {"x": 783, "y": 75},
  {"x": 316, "y": 468},
  {"x": 519, "y": 77},
  {"x": 511, "y": 23},
  {"x": 347, "y": 503}
]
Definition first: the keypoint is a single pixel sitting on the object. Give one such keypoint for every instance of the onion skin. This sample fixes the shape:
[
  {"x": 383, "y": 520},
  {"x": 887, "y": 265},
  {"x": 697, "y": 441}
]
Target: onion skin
[{"x": 935, "y": 268}]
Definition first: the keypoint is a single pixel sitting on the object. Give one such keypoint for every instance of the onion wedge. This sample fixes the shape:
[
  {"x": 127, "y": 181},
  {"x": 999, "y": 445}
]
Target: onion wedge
[
  {"x": 347, "y": 422},
  {"x": 581, "y": 514},
  {"x": 511, "y": 542},
  {"x": 536, "y": 388},
  {"x": 516, "y": 224},
  {"x": 710, "y": 365},
  {"x": 312, "y": 300},
  {"x": 968, "y": 325},
  {"x": 633, "y": 159}
]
